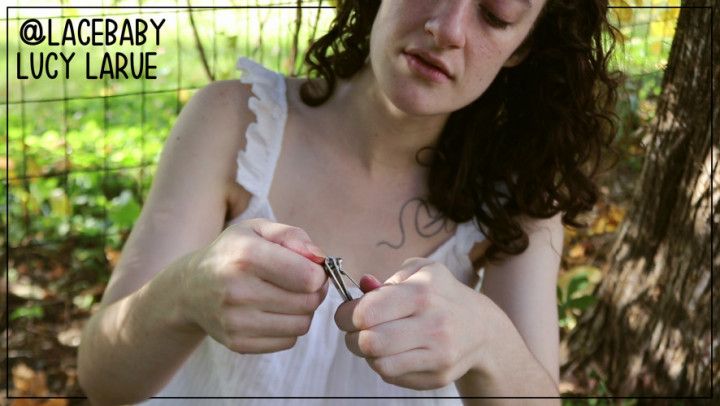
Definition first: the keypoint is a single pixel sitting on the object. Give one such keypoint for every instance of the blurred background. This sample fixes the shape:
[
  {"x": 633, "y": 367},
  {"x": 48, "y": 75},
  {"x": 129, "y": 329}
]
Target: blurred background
[{"x": 82, "y": 154}]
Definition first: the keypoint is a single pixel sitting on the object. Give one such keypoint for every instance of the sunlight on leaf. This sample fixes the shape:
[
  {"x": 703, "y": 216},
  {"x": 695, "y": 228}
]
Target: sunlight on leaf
[
  {"x": 124, "y": 210},
  {"x": 59, "y": 203},
  {"x": 83, "y": 302},
  {"x": 28, "y": 312}
]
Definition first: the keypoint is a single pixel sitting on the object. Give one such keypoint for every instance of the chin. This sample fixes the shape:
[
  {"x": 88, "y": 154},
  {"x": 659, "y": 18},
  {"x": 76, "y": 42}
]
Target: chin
[
  {"x": 424, "y": 105},
  {"x": 414, "y": 99}
]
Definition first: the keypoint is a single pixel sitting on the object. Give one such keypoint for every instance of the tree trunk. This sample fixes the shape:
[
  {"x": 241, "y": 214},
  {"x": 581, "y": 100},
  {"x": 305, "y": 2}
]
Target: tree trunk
[{"x": 650, "y": 332}]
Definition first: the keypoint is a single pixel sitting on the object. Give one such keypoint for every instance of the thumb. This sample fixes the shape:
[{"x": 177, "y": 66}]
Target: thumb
[{"x": 407, "y": 269}]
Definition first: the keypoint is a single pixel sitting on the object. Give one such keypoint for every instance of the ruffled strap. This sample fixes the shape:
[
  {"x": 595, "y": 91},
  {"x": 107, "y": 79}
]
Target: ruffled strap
[
  {"x": 468, "y": 234},
  {"x": 256, "y": 163}
]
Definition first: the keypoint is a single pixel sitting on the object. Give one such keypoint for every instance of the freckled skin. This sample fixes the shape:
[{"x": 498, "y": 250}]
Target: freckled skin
[{"x": 473, "y": 50}]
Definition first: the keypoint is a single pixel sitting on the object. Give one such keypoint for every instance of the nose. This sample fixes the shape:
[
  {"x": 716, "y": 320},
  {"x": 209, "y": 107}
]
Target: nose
[{"x": 447, "y": 24}]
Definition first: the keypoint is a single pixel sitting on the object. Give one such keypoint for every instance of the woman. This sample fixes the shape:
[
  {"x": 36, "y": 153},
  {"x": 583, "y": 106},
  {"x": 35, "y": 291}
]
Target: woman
[{"x": 440, "y": 138}]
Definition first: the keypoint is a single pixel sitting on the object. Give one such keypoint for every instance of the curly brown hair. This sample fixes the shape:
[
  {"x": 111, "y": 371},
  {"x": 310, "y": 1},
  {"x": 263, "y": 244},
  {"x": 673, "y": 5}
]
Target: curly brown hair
[{"x": 531, "y": 144}]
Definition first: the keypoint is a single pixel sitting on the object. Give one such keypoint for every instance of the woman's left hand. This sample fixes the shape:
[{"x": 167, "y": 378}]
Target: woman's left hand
[{"x": 423, "y": 329}]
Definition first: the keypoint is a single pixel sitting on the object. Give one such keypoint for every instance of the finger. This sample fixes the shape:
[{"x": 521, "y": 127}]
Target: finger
[
  {"x": 419, "y": 362},
  {"x": 423, "y": 380},
  {"x": 368, "y": 283},
  {"x": 387, "y": 303},
  {"x": 344, "y": 315},
  {"x": 293, "y": 238},
  {"x": 254, "y": 345},
  {"x": 285, "y": 268},
  {"x": 408, "y": 267},
  {"x": 263, "y": 324},
  {"x": 386, "y": 339},
  {"x": 270, "y": 298}
]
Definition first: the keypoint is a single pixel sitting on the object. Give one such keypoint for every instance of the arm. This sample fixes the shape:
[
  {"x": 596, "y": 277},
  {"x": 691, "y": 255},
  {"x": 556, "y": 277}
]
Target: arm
[
  {"x": 125, "y": 357},
  {"x": 525, "y": 359}
]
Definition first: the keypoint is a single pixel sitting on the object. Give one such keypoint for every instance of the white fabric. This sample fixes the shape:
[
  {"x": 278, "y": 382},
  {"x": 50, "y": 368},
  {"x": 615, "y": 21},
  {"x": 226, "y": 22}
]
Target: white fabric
[{"x": 319, "y": 365}]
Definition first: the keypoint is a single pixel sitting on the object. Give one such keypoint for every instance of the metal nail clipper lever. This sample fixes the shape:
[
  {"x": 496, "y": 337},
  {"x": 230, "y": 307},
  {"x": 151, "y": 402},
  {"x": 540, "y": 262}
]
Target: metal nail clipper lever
[{"x": 333, "y": 268}]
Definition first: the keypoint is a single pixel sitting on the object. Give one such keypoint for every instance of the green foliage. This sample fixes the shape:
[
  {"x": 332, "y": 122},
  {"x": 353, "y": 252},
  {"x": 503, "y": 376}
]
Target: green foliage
[
  {"x": 33, "y": 311},
  {"x": 83, "y": 302},
  {"x": 123, "y": 210},
  {"x": 575, "y": 293}
]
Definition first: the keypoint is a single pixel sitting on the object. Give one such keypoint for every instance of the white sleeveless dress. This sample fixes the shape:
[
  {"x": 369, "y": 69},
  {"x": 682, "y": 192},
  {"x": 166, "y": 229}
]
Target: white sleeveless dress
[{"x": 319, "y": 365}]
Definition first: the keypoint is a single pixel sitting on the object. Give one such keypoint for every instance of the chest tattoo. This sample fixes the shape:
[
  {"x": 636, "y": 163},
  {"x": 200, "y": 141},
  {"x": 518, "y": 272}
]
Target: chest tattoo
[{"x": 417, "y": 215}]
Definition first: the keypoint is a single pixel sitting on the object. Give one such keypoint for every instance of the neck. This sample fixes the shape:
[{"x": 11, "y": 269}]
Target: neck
[{"x": 383, "y": 138}]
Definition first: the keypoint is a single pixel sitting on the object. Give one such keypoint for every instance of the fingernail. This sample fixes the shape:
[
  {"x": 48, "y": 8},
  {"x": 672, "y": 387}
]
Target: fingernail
[
  {"x": 368, "y": 283},
  {"x": 318, "y": 255}
]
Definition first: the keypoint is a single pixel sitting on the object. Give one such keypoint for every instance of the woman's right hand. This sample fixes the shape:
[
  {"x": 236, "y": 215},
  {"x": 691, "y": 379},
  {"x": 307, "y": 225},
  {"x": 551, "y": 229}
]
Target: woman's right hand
[{"x": 255, "y": 288}]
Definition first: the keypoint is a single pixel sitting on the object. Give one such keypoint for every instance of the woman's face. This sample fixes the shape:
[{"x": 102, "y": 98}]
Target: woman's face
[{"x": 473, "y": 39}]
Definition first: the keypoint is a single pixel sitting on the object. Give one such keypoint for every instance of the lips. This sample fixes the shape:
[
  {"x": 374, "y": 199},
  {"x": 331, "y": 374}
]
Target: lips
[{"x": 431, "y": 60}]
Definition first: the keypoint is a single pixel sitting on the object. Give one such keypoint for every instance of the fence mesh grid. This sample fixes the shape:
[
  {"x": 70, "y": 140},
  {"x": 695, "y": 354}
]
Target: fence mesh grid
[{"x": 81, "y": 154}]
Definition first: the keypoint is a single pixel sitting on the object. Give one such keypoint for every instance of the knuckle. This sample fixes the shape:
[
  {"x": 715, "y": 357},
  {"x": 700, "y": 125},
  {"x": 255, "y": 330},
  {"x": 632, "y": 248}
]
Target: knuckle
[
  {"x": 230, "y": 324},
  {"x": 392, "y": 380},
  {"x": 368, "y": 343},
  {"x": 288, "y": 343},
  {"x": 442, "y": 379},
  {"x": 385, "y": 367},
  {"x": 362, "y": 316},
  {"x": 310, "y": 303},
  {"x": 292, "y": 232},
  {"x": 303, "y": 326},
  {"x": 422, "y": 296},
  {"x": 307, "y": 281},
  {"x": 245, "y": 257},
  {"x": 235, "y": 294},
  {"x": 440, "y": 331},
  {"x": 368, "y": 312},
  {"x": 237, "y": 344},
  {"x": 316, "y": 279}
]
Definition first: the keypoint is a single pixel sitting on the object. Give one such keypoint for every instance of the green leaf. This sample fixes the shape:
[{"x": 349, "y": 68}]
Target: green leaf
[
  {"x": 577, "y": 283},
  {"x": 29, "y": 312},
  {"x": 83, "y": 301},
  {"x": 581, "y": 303},
  {"x": 124, "y": 210}
]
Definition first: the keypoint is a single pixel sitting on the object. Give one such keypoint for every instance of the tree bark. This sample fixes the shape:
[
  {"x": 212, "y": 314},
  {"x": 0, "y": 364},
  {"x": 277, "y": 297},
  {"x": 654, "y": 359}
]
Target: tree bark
[{"x": 650, "y": 332}]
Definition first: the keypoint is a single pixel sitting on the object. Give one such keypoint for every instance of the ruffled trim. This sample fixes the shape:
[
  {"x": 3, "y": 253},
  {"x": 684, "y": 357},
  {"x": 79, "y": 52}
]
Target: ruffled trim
[
  {"x": 256, "y": 163},
  {"x": 468, "y": 234}
]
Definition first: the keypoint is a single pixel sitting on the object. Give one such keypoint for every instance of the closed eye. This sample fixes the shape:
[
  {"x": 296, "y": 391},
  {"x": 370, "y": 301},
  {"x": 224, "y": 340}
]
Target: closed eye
[{"x": 492, "y": 19}]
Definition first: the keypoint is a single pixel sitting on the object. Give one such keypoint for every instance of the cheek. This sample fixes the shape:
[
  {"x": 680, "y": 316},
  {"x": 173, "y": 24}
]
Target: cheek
[{"x": 482, "y": 66}]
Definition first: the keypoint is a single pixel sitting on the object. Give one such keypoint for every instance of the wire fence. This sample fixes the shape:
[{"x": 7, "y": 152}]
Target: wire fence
[
  {"x": 81, "y": 153},
  {"x": 69, "y": 137}
]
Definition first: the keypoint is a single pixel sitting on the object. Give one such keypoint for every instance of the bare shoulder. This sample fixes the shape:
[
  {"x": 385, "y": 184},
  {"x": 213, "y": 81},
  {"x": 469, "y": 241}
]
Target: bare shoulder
[
  {"x": 222, "y": 106},
  {"x": 541, "y": 257},
  {"x": 532, "y": 225},
  {"x": 221, "y": 111},
  {"x": 187, "y": 204},
  {"x": 543, "y": 234}
]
